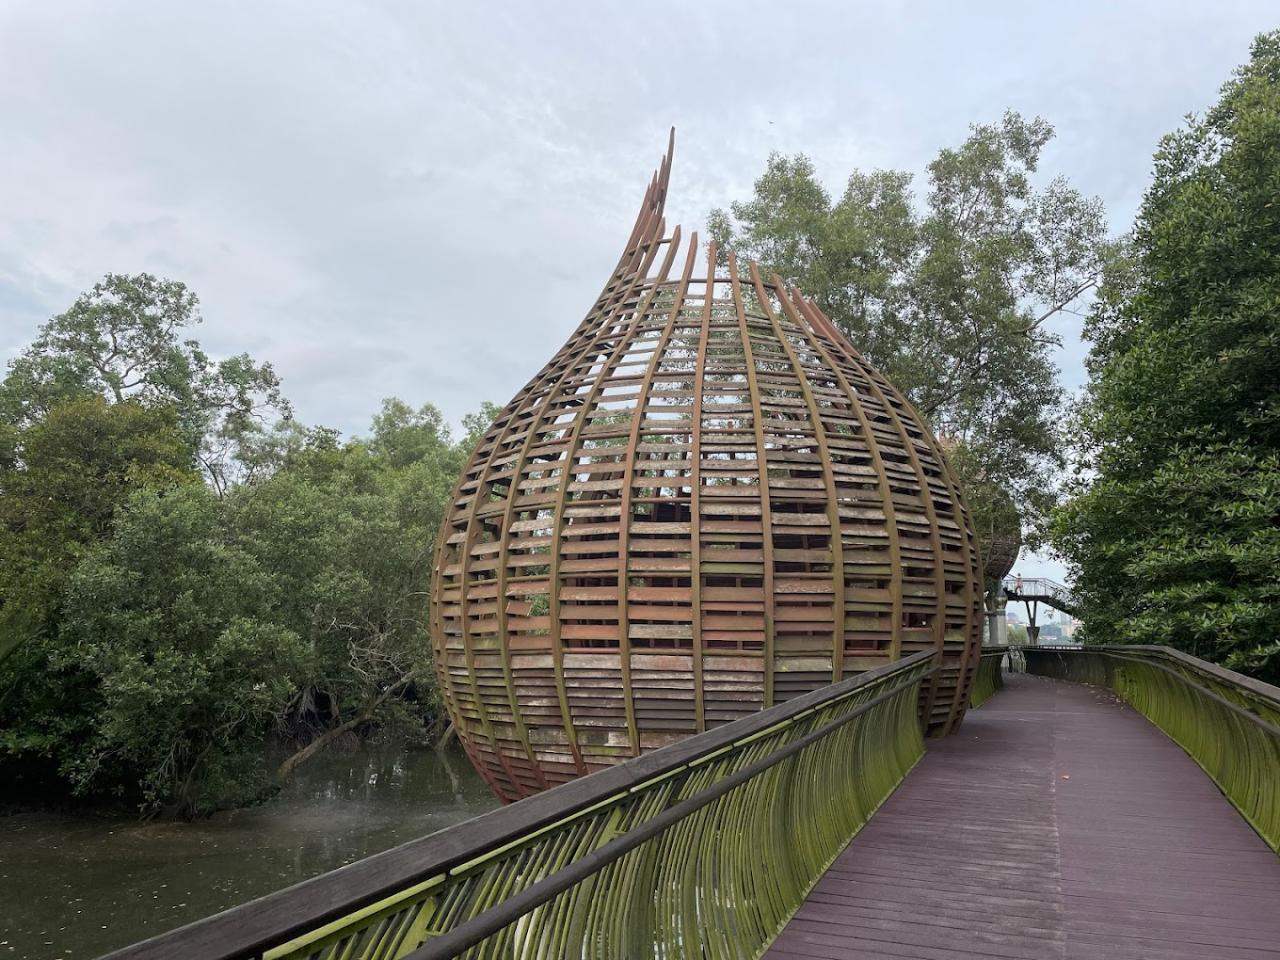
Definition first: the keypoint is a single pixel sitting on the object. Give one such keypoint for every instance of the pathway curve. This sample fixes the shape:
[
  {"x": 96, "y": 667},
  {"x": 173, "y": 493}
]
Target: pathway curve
[{"x": 1088, "y": 835}]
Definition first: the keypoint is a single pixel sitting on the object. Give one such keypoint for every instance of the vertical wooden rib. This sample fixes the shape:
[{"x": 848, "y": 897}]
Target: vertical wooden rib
[
  {"x": 650, "y": 216},
  {"x": 603, "y": 327},
  {"x": 566, "y": 474},
  {"x": 877, "y": 463},
  {"x": 624, "y": 515},
  {"x": 973, "y": 565},
  {"x": 972, "y": 621},
  {"x": 632, "y": 270},
  {"x": 762, "y": 470},
  {"x": 835, "y": 538},
  {"x": 935, "y": 534},
  {"x": 695, "y": 493}
]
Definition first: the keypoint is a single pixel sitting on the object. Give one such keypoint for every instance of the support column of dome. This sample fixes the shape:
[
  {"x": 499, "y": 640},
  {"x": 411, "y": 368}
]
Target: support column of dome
[
  {"x": 637, "y": 420},
  {"x": 835, "y": 539},
  {"x": 877, "y": 464},
  {"x": 695, "y": 492},
  {"x": 935, "y": 536},
  {"x": 762, "y": 471},
  {"x": 972, "y": 560}
]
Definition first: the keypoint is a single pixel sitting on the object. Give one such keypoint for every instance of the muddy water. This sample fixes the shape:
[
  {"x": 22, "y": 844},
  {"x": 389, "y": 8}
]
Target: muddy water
[{"x": 75, "y": 887}]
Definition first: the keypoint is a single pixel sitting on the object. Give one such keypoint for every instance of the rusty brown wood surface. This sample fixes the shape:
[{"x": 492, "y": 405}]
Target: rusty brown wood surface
[
  {"x": 705, "y": 503},
  {"x": 1089, "y": 836}
]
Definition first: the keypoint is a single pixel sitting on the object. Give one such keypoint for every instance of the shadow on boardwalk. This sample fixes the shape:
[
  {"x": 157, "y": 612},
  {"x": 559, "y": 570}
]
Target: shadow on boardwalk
[{"x": 1089, "y": 834}]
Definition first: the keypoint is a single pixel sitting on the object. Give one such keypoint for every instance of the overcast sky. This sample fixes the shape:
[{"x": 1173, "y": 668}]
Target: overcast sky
[{"x": 422, "y": 199}]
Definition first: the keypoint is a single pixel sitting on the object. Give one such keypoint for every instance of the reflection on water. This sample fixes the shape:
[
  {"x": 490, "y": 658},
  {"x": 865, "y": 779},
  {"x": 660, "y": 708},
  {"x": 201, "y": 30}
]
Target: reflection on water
[{"x": 76, "y": 887}]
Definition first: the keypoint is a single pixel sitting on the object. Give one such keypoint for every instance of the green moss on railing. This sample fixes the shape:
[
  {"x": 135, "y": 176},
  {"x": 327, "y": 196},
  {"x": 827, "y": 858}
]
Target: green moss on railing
[
  {"x": 990, "y": 676},
  {"x": 721, "y": 882},
  {"x": 704, "y": 849},
  {"x": 1228, "y": 723}
]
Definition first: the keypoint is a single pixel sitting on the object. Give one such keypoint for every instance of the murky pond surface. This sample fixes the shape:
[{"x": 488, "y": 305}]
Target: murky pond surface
[{"x": 74, "y": 887}]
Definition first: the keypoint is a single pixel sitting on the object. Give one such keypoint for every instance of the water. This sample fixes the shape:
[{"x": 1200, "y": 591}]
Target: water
[{"x": 75, "y": 887}]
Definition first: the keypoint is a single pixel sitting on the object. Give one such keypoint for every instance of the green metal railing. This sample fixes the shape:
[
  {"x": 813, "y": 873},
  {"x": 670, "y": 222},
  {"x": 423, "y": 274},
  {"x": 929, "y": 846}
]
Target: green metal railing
[
  {"x": 701, "y": 849},
  {"x": 990, "y": 676},
  {"x": 1227, "y": 722}
]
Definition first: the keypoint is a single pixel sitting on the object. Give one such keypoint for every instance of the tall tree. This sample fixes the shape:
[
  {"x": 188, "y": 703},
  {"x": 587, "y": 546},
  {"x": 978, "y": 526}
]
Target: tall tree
[
  {"x": 124, "y": 340},
  {"x": 1173, "y": 533},
  {"x": 951, "y": 297},
  {"x": 348, "y": 529},
  {"x": 177, "y": 623},
  {"x": 61, "y": 480}
]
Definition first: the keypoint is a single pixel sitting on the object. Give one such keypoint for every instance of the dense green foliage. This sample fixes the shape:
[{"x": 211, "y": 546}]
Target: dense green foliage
[
  {"x": 950, "y": 298},
  {"x": 63, "y": 477},
  {"x": 122, "y": 340},
  {"x": 1174, "y": 532},
  {"x": 179, "y": 585},
  {"x": 192, "y": 582}
]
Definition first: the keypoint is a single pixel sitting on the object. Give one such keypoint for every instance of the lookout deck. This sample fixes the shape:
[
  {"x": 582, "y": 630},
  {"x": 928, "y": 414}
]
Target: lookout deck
[{"x": 1089, "y": 836}]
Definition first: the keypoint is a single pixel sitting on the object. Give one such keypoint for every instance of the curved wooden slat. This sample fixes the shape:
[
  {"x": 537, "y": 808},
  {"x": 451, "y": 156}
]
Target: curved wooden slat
[{"x": 706, "y": 503}]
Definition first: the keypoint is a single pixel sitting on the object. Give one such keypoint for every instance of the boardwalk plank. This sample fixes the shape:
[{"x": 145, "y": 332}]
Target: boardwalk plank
[{"x": 1089, "y": 835}]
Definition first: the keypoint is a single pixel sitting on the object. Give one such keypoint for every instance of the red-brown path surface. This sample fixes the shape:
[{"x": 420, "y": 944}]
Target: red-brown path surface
[{"x": 1086, "y": 834}]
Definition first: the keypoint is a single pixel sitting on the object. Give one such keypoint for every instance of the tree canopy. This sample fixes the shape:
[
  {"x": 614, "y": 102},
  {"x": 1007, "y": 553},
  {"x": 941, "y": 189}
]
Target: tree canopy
[
  {"x": 123, "y": 340},
  {"x": 1173, "y": 534},
  {"x": 182, "y": 584},
  {"x": 950, "y": 296}
]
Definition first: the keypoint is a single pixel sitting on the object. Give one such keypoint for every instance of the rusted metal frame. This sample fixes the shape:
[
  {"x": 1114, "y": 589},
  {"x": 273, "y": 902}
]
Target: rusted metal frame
[
  {"x": 464, "y": 600},
  {"x": 564, "y": 356},
  {"x": 762, "y": 472},
  {"x": 935, "y": 535},
  {"x": 973, "y": 614},
  {"x": 640, "y": 279},
  {"x": 695, "y": 492},
  {"x": 439, "y": 644},
  {"x": 650, "y": 216},
  {"x": 570, "y": 444},
  {"x": 624, "y": 515},
  {"x": 877, "y": 464},
  {"x": 836, "y": 538},
  {"x": 439, "y": 640}
]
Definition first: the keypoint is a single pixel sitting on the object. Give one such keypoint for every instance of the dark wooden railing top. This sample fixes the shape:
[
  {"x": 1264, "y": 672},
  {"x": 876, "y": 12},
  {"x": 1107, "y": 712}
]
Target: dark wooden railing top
[{"x": 249, "y": 929}]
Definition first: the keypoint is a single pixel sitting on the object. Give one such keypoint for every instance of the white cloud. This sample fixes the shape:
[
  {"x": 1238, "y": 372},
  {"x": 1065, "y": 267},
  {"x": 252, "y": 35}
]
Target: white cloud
[{"x": 423, "y": 199}]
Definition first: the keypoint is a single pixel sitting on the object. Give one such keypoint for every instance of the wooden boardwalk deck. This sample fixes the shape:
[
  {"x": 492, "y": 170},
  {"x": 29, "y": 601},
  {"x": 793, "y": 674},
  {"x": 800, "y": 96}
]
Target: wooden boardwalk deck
[{"x": 1090, "y": 836}]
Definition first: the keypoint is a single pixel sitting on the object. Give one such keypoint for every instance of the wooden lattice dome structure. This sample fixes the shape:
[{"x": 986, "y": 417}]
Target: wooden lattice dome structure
[
  {"x": 707, "y": 502},
  {"x": 1000, "y": 556}
]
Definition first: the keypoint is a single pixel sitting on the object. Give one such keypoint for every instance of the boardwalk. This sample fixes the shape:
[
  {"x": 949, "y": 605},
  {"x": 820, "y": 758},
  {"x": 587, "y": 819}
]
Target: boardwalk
[{"x": 1090, "y": 836}]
